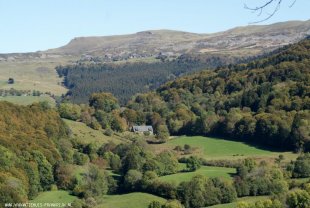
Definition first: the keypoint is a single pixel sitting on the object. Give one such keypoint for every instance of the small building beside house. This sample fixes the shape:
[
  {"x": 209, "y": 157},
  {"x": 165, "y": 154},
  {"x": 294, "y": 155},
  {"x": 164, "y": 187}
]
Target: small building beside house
[{"x": 142, "y": 129}]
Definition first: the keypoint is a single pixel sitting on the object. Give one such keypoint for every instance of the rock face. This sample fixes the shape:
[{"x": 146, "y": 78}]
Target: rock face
[{"x": 243, "y": 41}]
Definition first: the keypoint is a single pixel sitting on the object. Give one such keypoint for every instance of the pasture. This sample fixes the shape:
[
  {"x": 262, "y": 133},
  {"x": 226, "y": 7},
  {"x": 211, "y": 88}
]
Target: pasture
[
  {"x": 33, "y": 74},
  {"x": 225, "y": 173},
  {"x": 134, "y": 200},
  {"x": 216, "y": 149},
  {"x": 54, "y": 197},
  {"x": 84, "y": 134}
]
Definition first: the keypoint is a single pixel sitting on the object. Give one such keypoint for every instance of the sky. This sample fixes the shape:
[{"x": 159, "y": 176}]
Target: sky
[{"x": 33, "y": 25}]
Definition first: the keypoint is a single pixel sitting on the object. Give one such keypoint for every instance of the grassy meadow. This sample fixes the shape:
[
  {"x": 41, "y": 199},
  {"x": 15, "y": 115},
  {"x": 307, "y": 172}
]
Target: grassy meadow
[
  {"x": 54, "y": 197},
  {"x": 27, "y": 100},
  {"x": 81, "y": 132},
  {"x": 33, "y": 74},
  {"x": 225, "y": 173},
  {"x": 214, "y": 148},
  {"x": 131, "y": 200}
]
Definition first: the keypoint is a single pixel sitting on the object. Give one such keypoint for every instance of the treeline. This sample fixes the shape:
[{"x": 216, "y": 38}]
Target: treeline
[
  {"x": 265, "y": 101},
  {"x": 127, "y": 79}
]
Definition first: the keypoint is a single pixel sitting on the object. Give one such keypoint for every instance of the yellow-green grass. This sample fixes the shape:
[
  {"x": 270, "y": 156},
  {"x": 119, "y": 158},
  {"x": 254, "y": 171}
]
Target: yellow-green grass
[
  {"x": 27, "y": 100},
  {"x": 214, "y": 148},
  {"x": 34, "y": 74},
  {"x": 251, "y": 199},
  {"x": 224, "y": 173},
  {"x": 132, "y": 200},
  {"x": 84, "y": 134},
  {"x": 62, "y": 197}
]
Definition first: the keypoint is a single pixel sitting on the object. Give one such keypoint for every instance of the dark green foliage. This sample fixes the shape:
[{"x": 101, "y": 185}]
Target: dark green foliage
[
  {"x": 134, "y": 159},
  {"x": 298, "y": 198},
  {"x": 114, "y": 160},
  {"x": 103, "y": 112},
  {"x": 168, "y": 163},
  {"x": 162, "y": 133},
  {"x": 80, "y": 158},
  {"x": 64, "y": 176},
  {"x": 45, "y": 170},
  {"x": 259, "y": 180},
  {"x": 137, "y": 157},
  {"x": 132, "y": 180},
  {"x": 302, "y": 166},
  {"x": 126, "y": 80},
  {"x": 95, "y": 183},
  {"x": 202, "y": 192},
  {"x": 69, "y": 111},
  {"x": 193, "y": 163},
  {"x": 155, "y": 204},
  {"x": 103, "y": 101}
]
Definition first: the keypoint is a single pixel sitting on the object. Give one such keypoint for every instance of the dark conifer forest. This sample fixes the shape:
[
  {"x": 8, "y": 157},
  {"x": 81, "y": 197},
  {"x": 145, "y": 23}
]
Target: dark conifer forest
[{"x": 126, "y": 79}]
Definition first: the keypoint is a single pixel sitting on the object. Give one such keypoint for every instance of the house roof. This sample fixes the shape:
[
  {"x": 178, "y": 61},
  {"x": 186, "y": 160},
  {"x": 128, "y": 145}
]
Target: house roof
[{"x": 142, "y": 128}]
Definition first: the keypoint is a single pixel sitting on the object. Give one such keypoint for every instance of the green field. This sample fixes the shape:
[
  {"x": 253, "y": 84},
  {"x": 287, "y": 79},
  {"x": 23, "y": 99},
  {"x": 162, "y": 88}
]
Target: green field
[
  {"x": 251, "y": 199},
  {"x": 54, "y": 197},
  {"x": 213, "y": 148},
  {"x": 84, "y": 134},
  {"x": 224, "y": 173},
  {"x": 132, "y": 200},
  {"x": 27, "y": 100}
]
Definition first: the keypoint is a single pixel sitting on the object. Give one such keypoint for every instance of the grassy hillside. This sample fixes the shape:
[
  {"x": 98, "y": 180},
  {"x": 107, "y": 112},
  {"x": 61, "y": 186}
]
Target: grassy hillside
[
  {"x": 33, "y": 74},
  {"x": 134, "y": 200},
  {"x": 84, "y": 134},
  {"x": 62, "y": 197},
  {"x": 215, "y": 148},
  {"x": 225, "y": 173}
]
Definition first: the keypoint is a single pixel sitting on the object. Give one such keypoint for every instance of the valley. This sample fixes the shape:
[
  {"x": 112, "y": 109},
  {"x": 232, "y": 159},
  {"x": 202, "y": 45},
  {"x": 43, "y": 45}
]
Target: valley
[{"x": 160, "y": 119}]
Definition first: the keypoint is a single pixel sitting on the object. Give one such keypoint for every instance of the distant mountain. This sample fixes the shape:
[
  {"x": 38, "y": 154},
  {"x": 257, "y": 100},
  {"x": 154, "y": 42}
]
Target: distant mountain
[{"x": 241, "y": 40}]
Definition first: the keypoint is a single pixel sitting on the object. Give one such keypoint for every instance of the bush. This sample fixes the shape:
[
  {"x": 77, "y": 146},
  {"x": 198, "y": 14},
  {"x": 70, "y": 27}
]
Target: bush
[
  {"x": 132, "y": 180},
  {"x": 162, "y": 133},
  {"x": 193, "y": 163},
  {"x": 302, "y": 166},
  {"x": 298, "y": 198},
  {"x": 155, "y": 204},
  {"x": 80, "y": 158},
  {"x": 108, "y": 132}
]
